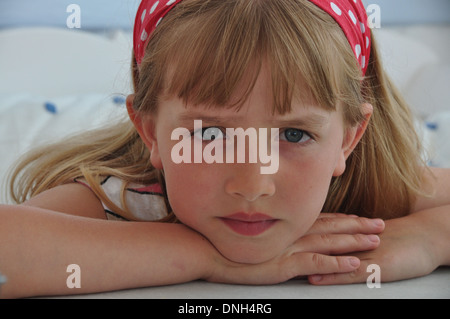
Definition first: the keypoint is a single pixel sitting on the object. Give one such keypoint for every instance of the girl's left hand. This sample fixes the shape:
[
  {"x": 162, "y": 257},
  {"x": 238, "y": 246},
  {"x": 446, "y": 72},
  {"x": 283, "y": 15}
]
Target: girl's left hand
[{"x": 410, "y": 247}]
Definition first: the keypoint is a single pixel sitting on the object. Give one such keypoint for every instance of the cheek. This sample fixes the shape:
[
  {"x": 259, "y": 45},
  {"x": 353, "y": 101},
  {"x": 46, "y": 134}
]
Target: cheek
[
  {"x": 189, "y": 191},
  {"x": 305, "y": 176},
  {"x": 191, "y": 187}
]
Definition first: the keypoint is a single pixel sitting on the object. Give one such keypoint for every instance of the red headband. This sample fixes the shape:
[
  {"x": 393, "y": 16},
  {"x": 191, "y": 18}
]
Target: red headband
[{"x": 349, "y": 14}]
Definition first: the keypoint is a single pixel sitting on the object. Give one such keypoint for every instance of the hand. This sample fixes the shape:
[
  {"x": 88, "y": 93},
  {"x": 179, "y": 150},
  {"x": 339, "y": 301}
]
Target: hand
[
  {"x": 407, "y": 250},
  {"x": 331, "y": 234}
]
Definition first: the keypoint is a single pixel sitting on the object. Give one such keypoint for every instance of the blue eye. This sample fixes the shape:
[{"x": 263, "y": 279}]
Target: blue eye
[
  {"x": 209, "y": 133},
  {"x": 294, "y": 135}
]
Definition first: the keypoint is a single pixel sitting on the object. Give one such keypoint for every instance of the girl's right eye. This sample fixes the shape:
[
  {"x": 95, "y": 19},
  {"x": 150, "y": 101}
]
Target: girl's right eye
[
  {"x": 209, "y": 133},
  {"x": 295, "y": 136}
]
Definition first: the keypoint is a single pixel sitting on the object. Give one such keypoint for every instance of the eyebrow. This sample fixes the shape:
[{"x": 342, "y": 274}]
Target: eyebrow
[
  {"x": 193, "y": 116},
  {"x": 311, "y": 120}
]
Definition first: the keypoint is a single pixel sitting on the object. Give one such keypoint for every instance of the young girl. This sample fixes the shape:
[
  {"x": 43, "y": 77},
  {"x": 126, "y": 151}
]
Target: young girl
[{"x": 350, "y": 188}]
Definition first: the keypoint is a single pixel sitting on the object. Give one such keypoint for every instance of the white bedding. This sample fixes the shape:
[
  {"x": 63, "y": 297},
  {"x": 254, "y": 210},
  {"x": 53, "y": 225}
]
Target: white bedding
[
  {"x": 83, "y": 75},
  {"x": 27, "y": 120},
  {"x": 54, "y": 82}
]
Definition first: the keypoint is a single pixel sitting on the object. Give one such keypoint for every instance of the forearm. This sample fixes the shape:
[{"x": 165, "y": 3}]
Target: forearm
[
  {"x": 38, "y": 245},
  {"x": 436, "y": 222}
]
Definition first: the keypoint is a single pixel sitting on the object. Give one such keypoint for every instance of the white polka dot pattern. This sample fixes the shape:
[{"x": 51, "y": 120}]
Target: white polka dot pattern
[
  {"x": 349, "y": 14},
  {"x": 148, "y": 16},
  {"x": 352, "y": 18}
]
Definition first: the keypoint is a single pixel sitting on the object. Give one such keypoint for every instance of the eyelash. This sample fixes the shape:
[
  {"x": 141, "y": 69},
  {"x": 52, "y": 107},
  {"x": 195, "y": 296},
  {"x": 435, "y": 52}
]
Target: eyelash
[
  {"x": 303, "y": 134},
  {"x": 203, "y": 130},
  {"x": 282, "y": 134}
]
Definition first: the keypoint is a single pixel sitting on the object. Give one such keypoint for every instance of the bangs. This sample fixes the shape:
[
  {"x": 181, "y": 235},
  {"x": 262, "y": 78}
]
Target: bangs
[{"x": 211, "y": 51}]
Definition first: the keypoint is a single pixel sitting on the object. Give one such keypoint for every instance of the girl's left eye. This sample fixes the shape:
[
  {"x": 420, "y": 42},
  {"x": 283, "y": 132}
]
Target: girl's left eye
[
  {"x": 209, "y": 133},
  {"x": 294, "y": 135}
]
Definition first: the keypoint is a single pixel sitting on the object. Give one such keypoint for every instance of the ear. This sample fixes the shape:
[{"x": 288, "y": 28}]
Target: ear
[
  {"x": 146, "y": 129},
  {"x": 351, "y": 138}
]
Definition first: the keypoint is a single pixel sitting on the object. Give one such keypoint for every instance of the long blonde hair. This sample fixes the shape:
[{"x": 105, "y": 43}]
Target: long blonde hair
[{"x": 201, "y": 51}]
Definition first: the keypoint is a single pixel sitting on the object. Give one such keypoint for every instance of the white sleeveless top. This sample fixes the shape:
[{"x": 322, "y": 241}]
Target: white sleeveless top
[{"x": 145, "y": 202}]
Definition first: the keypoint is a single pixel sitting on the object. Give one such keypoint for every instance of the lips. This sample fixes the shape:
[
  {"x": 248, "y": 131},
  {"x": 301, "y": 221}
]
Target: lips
[{"x": 249, "y": 224}]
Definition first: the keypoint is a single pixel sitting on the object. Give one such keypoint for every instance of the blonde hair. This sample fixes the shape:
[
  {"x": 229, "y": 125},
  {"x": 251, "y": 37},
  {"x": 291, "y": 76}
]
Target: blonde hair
[{"x": 202, "y": 50}]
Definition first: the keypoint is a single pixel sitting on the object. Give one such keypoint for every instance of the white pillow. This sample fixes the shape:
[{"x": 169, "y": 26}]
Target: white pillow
[
  {"x": 437, "y": 133},
  {"x": 402, "y": 55},
  {"x": 429, "y": 91},
  {"x": 28, "y": 120},
  {"x": 58, "y": 61}
]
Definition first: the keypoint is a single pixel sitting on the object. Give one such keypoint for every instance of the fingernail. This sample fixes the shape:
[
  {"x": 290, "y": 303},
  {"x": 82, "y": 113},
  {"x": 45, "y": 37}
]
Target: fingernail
[
  {"x": 378, "y": 222},
  {"x": 316, "y": 278},
  {"x": 373, "y": 238},
  {"x": 354, "y": 262}
]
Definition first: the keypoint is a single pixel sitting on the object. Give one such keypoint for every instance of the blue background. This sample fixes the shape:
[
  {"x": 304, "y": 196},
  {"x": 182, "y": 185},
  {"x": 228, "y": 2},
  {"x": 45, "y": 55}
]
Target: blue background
[{"x": 114, "y": 14}]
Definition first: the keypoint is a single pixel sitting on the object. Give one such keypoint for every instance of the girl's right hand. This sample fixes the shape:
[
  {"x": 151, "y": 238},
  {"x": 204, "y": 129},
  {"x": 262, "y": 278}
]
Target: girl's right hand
[{"x": 331, "y": 234}]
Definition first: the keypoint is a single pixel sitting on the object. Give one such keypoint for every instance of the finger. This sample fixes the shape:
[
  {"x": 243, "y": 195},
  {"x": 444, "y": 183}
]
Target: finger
[
  {"x": 334, "y": 215},
  {"x": 337, "y": 243},
  {"x": 351, "y": 225},
  {"x": 371, "y": 272},
  {"x": 304, "y": 264},
  {"x": 288, "y": 267},
  {"x": 357, "y": 276}
]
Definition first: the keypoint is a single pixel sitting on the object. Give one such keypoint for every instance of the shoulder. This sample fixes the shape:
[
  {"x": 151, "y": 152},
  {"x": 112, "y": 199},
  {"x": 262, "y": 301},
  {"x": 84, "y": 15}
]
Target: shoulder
[
  {"x": 72, "y": 198},
  {"x": 435, "y": 187},
  {"x": 131, "y": 201}
]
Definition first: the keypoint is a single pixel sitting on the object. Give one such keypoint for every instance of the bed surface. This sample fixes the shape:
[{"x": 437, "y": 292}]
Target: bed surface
[
  {"x": 54, "y": 82},
  {"x": 434, "y": 286}
]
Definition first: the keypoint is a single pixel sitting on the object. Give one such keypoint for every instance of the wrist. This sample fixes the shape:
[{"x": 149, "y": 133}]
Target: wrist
[
  {"x": 198, "y": 256},
  {"x": 437, "y": 232}
]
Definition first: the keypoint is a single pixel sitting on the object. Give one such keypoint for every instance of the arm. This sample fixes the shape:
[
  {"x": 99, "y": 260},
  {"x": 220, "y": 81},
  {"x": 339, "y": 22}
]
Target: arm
[
  {"x": 38, "y": 243},
  {"x": 434, "y": 212},
  {"x": 437, "y": 185},
  {"x": 413, "y": 245}
]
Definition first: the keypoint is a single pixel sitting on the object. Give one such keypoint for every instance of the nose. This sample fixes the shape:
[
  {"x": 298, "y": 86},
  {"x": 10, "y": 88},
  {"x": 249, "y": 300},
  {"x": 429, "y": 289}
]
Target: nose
[{"x": 247, "y": 182}]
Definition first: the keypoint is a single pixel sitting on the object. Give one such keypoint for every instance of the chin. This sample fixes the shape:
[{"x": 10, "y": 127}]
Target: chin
[
  {"x": 249, "y": 259},
  {"x": 249, "y": 255}
]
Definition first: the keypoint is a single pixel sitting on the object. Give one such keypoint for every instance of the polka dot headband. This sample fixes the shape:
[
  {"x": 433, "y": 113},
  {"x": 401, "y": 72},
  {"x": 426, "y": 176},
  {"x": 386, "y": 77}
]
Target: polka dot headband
[
  {"x": 352, "y": 18},
  {"x": 349, "y": 14}
]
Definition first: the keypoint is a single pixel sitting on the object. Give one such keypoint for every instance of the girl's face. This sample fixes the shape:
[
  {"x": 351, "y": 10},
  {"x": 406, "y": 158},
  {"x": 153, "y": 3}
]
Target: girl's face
[{"x": 248, "y": 216}]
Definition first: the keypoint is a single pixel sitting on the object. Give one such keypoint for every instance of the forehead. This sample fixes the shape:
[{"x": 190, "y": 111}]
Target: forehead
[
  {"x": 257, "y": 85},
  {"x": 204, "y": 58},
  {"x": 257, "y": 107},
  {"x": 205, "y": 67}
]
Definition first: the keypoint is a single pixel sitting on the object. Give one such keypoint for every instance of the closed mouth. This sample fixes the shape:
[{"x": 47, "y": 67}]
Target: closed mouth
[{"x": 249, "y": 224}]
